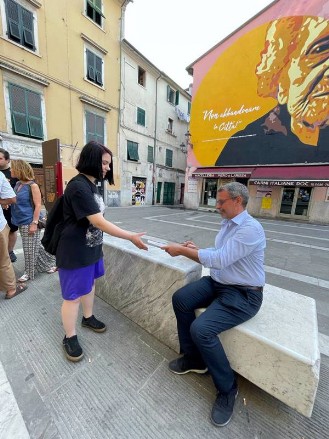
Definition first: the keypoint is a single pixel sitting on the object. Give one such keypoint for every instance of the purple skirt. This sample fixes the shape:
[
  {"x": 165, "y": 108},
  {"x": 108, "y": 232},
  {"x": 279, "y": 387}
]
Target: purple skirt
[{"x": 79, "y": 281}]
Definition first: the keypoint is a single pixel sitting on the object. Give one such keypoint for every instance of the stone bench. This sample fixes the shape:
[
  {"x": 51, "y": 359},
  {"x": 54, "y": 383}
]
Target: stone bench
[
  {"x": 277, "y": 350},
  {"x": 140, "y": 285}
]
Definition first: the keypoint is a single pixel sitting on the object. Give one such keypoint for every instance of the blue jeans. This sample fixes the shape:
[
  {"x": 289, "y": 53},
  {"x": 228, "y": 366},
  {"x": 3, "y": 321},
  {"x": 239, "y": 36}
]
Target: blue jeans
[{"x": 227, "y": 306}]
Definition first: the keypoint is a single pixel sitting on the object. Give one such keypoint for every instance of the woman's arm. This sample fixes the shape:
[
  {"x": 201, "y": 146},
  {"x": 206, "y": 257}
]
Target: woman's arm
[
  {"x": 101, "y": 223},
  {"x": 36, "y": 197}
]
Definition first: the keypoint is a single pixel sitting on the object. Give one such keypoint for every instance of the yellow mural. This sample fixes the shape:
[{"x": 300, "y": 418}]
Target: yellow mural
[{"x": 266, "y": 96}]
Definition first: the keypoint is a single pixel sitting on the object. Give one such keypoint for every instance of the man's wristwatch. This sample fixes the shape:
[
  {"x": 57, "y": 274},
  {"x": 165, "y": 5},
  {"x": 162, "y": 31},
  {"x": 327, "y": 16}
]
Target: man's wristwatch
[{"x": 35, "y": 222}]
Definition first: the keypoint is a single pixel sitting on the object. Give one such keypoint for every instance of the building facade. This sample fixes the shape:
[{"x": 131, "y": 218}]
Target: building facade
[
  {"x": 60, "y": 77},
  {"x": 153, "y": 123},
  {"x": 260, "y": 114}
]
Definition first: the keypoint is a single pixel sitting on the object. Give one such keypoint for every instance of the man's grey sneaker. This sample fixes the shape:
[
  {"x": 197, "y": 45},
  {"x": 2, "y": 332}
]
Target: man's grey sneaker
[
  {"x": 93, "y": 323},
  {"x": 222, "y": 410},
  {"x": 72, "y": 348},
  {"x": 12, "y": 256},
  {"x": 185, "y": 364}
]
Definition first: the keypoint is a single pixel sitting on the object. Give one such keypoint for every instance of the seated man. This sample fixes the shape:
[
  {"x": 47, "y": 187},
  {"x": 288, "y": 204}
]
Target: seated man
[{"x": 232, "y": 295}]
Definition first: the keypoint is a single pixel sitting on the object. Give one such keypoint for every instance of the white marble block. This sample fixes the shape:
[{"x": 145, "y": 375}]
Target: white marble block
[
  {"x": 278, "y": 349},
  {"x": 140, "y": 285}
]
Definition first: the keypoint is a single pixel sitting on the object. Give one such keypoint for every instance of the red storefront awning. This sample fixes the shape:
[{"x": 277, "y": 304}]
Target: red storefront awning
[
  {"x": 217, "y": 172},
  {"x": 291, "y": 176}
]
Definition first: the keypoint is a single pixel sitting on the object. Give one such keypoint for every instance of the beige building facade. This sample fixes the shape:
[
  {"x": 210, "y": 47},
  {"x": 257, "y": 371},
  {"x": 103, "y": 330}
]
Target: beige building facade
[{"x": 60, "y": 77}]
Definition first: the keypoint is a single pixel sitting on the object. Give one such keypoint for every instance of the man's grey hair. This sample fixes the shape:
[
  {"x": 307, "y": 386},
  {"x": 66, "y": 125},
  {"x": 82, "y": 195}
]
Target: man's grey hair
[{"x": 236, "y": 189}]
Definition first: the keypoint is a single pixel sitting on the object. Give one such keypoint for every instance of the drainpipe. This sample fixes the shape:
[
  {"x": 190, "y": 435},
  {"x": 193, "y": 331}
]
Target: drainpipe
[{"x": 154, "y": 180}]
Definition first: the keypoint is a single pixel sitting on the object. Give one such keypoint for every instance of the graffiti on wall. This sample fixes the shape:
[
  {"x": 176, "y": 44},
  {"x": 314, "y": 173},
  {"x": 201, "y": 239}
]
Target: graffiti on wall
[{"x": 265, "y": 100}]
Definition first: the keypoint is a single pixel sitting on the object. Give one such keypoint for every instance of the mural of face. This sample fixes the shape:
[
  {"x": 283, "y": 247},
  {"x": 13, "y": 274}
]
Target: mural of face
[{"x": 294, "y": 69}]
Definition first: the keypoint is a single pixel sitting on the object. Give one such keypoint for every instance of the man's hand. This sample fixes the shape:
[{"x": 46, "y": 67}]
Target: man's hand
[
  {"x": 189, "y": 244},
  {"x": 173, "y": 249}
]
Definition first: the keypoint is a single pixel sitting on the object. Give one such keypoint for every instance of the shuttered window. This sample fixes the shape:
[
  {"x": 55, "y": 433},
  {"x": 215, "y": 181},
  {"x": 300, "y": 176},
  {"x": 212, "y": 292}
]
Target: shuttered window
[
  {"x": 94, "y": 11},
  {"x": 94, "y": 68},
  {"x": 132, "y": 151},
  {"x": 141, "y": 117},
  {"x": 169, "y": 158},
  {"x": 171, "y": 95},
  {"x": 26, "y": 115},
  {"x": 20, "y": 24},
  {"x": 95, "y": 125},
  {"x": 150, "y": 156}
]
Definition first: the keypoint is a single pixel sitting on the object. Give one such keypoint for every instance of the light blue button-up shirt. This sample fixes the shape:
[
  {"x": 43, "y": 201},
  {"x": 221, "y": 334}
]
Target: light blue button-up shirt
[{"x": 238, "y": 256}]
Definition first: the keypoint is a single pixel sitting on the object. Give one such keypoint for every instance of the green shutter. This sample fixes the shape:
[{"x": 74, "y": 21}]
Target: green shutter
[
  {"x": 96, "y": 5},
  {"x": 189, "y": 108},
  {"x": 177, "y": 98},
  {"x": 34, "y": 115},
  {"x": 132, "y": 149},
  {"x": 91, "y": 74},
  {"x": 169, "y": 158},
  {"x": 13, "y": 18},
  {"x": 141, "y": 116},
  {"x": 25, "y": 107},
  {"x": 98, "y": 70},
  {"x": 150, "y": 157},
  {"x": 95, "y": 128},
  {"x": 27, "y": 24}
]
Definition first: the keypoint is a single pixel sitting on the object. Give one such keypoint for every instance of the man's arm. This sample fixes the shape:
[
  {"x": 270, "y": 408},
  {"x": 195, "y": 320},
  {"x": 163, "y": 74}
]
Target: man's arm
[{"x": 7, "y": 201}]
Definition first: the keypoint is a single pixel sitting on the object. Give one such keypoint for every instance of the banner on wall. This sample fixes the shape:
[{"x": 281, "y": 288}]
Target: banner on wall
[{"x": 264, "y": 99}]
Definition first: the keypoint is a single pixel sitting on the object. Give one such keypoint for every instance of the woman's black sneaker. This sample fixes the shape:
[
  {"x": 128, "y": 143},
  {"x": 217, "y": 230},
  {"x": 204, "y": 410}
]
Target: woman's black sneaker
[
  {"x": 94, "y": 324},
  {"x": 72, "y": 349}
]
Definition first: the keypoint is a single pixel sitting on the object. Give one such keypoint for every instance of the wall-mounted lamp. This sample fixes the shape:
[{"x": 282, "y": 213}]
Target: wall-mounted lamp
[{"x": 183, "y": 148}]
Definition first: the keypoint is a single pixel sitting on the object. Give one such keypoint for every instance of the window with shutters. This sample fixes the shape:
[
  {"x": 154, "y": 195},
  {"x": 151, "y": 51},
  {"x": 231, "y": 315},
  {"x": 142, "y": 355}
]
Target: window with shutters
[
  {"x": 20, "y": 26},
  {"x": 140, "y": 116},
  {"x": 95, "y": 127},
  {"x": 150, "y": 154},
  {"x": 171, "y": 95},
  {"x": 26, "y": 114},
  {"x": 132, "y": 151},
  {"x": 94, "y": 67},
  {"x": 169, "y": 158},
  {"x": 94, "y": 11}
]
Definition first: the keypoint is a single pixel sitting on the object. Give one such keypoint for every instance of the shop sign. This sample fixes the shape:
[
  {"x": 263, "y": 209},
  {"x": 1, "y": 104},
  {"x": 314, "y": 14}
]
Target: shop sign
[
  {"x": 297, "y": 183},
  {"x": 222, "y": 174}
]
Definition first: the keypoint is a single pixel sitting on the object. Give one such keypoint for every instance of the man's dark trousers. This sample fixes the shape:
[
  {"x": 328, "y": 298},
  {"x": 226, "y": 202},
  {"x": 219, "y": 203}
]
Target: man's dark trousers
[{"x": 227, "y": 306}]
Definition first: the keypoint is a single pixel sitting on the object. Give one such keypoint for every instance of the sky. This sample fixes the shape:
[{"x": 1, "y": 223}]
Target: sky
[{"x": 172, "y": 34}]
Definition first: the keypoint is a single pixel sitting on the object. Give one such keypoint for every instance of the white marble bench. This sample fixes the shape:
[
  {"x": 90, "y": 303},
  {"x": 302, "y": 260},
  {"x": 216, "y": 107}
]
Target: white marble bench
[
  {"x": 278, "y": 349},
  {"x": 140, "y": 285}
]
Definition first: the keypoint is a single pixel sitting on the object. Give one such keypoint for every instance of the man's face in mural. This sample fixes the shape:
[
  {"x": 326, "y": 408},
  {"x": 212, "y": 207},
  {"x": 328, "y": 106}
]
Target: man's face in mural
[
  {"x": 308, "y": 74},
  {"x": 298, "y": 65}
]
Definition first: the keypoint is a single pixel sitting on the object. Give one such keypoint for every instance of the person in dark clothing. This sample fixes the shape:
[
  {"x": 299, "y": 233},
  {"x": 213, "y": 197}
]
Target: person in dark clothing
[
  {"x": 5, "y": 169},
  {"x": 79, "y": 255}
]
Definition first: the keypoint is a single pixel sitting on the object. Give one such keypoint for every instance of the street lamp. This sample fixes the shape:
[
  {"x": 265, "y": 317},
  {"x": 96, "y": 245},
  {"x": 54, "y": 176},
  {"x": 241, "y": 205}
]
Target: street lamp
[{"x": 184, "y": 146}]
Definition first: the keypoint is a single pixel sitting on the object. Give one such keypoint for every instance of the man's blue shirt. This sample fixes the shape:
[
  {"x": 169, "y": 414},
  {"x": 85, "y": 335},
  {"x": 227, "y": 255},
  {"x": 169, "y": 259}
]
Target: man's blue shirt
[{"x": 238, "y": 256}]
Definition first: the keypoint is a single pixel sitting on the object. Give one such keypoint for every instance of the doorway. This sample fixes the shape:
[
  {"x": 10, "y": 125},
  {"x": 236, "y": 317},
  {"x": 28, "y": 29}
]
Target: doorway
[
  {"x": 295, "y": 201},
  {"x": 168, "y": 193},
  {"x": 209, "y": 192}
]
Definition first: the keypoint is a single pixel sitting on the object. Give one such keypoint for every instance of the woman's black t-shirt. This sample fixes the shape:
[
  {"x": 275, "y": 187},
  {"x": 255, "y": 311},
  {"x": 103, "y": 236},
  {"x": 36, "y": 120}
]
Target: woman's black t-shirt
[{"x": 80, "y": 243}]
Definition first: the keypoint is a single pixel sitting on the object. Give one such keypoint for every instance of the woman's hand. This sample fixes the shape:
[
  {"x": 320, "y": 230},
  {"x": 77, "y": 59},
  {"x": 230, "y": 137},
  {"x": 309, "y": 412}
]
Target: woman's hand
[
  {"x": 136, "y": 240},
  {"x": 32, "y": 229}
]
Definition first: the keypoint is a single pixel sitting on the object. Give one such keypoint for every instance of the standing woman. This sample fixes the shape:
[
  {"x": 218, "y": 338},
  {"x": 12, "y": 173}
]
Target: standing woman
[
  {"x": 79, "y": 254},
  {"x": 25, "y": 214}
]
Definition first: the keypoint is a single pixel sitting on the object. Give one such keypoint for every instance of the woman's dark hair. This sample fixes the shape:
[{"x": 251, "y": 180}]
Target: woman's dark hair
[{"x": 90, "y": 161}]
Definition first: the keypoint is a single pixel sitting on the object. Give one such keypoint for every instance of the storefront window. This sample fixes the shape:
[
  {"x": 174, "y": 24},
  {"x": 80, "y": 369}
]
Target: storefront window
[
  {"x": 210, "y": 192},
  {"x": 295, "y": 201}
]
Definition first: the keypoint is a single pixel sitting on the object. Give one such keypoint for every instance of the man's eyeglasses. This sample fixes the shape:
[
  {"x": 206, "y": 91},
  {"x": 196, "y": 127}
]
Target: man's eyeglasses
[{"x": 221, "y": 202}]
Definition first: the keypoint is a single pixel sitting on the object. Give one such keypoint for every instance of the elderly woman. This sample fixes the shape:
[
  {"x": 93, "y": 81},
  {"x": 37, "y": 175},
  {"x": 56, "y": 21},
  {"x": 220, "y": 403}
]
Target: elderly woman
[{"x": 25, "y": 214}]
